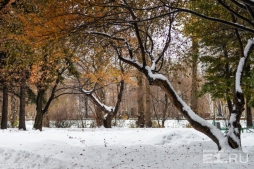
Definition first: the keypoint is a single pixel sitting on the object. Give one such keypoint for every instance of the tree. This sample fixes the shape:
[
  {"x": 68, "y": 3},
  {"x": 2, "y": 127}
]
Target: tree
[
  {"x": 17, "y": 58},
  {"x": 100, "y": 74},
  {"x": 135, "y": 16},
  {"x": 4, "y": 121},
  {"x": 4, "y": 8},
  {"x": 110, "y": 111},
  {"x": 226, "y": 43},
  {"x": 48, "y": 73}
]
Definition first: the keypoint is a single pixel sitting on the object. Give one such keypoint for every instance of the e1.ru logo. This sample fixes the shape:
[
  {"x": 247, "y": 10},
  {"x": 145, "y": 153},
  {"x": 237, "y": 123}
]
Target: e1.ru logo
[{"x": 225, "y": 157}]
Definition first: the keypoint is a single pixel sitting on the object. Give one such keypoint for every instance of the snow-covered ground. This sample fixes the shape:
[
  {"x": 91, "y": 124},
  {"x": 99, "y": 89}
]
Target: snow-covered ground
[{"x": 99, "y": 148}]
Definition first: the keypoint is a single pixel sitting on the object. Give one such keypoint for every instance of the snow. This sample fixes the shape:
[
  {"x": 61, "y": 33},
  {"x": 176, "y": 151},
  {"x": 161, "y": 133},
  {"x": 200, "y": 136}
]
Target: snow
[
  {"x": 240, "y": 67},
  {"x": 155, "y": 76},
  {"x": 134, "y": 61},
  {"x": 108, "y": 108},
  {"x": 120, "y": 148},
  {"x": 153, "y": 65},
  {"x": 232, "y": 118}
]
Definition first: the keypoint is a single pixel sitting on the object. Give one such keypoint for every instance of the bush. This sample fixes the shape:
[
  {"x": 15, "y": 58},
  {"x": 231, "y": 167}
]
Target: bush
[
  {"x": 63, "y": 123},
  {"x": 155, "y": 124}
]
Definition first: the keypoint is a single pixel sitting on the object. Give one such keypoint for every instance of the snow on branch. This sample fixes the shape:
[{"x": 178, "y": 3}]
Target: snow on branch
[
  {"x": 96, "y": 101},
  {"x": 105, "y": 108},
  {"x": 241, "y": 64}
]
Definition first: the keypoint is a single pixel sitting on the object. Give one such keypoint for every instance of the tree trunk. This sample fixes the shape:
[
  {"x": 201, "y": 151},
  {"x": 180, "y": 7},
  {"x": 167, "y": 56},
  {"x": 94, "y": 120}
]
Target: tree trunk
[
  {"x": 148, "y": 109},
  {"x": 194, "y": 68},
  {"x": 227, "y": 76},
  {"x": 22, "y": 113},
  {"x": 38, "y": 120},
  {"x": 39, "y": 110},
  {"x": 107, "y": 120},
  {"x": 165, "y": 110},
  {"x": 109, "y": 117},
  {"x": 140, "y": 100},
  {"x": 248, "y": 113},
  {"x": 98, "y": 116},
  {"x": 163, "y": 123},
  {"x": 14, "y": 110},
  {"x": 4, "y": 121},
  {"x": 248, "y": 97},
  {"x": 98, "y": 111},
  {"x": 84, "y": 116}
]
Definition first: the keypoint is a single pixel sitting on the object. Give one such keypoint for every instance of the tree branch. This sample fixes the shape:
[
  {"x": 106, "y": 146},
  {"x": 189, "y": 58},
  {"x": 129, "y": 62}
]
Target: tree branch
[
  {"x": 238, "y": 26},
  {"x": 235, "y": 13}
]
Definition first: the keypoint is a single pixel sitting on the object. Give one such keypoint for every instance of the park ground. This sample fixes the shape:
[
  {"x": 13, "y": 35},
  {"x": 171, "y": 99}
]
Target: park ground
[{"x": 118, "y": 148}]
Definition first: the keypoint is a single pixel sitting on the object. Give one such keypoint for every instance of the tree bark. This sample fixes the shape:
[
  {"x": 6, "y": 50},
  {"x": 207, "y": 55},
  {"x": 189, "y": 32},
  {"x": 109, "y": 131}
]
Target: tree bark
[
  {"x": 98, "y": 111},
  {"x": 140, "y": 100},
  {"x": 248, "y": 113},
  {"x": 98, "y": 116},
  {"x": 164, "y": 110},
  {"x": 248, "y": 97},
  {"x": 107, "y": 122},
  {"x": 4, "y": 121},
  {"x": 22, "y": 113},
  {"x": 148, "y": 109},
  {"x": 194, "y": 68},
  {"x": 14, "y": 110},
  {"x": 227, "y": 76},
  {"x": 39, "y": 110}
]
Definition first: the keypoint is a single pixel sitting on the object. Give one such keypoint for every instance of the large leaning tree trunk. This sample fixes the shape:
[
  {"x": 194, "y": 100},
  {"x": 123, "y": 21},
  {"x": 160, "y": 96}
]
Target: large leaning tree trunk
[{"x": 110, "y": 111}]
